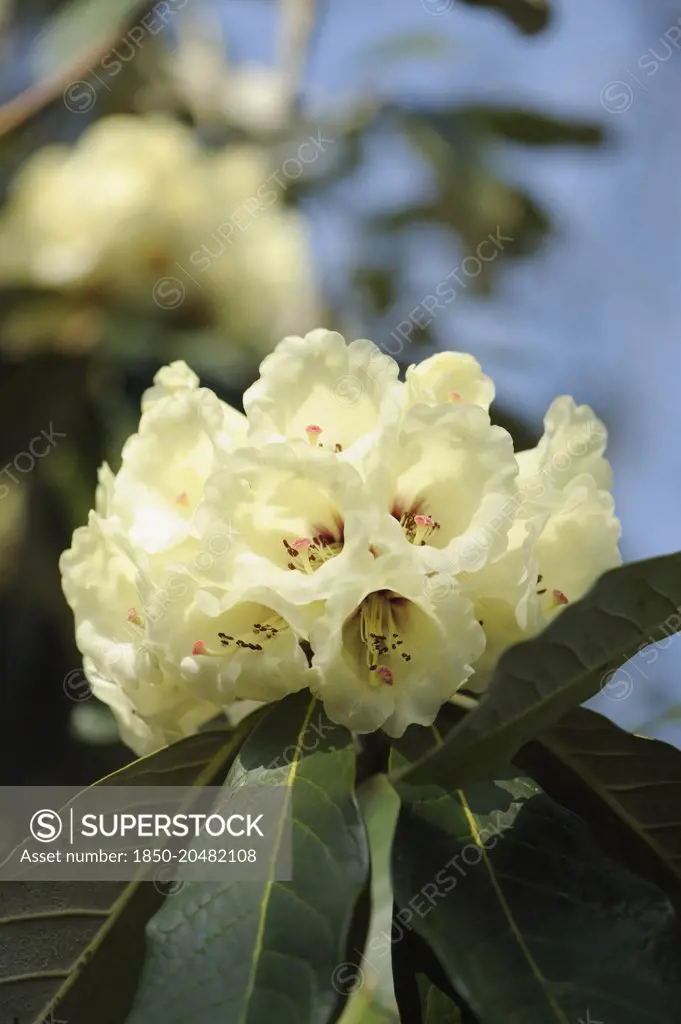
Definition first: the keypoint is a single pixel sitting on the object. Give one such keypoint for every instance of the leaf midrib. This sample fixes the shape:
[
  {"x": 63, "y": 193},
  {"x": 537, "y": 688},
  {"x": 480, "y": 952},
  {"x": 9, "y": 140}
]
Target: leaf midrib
[
  {"x": 119, "y": 905},
  {"x": 508, "y": 913},
  {"x": 269, "y": 884},
  {"x": 645, "y": 834}
]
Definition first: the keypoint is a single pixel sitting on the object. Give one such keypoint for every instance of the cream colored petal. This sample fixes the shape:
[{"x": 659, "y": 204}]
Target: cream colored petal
[
  {"x": 450, "y": 464},
  {"x": 449, "y": 377},
  {"x": 579, "y": 542},
  {"x": 250, "y": 646},
  {"x": 339, "y": 396},
  {"x": 165, "y": 467},
  {"x": 294, "y": 509},
  {"x": 504, "y": 594},
  {"x": 425, "y": 649},
  {"x": 573, "y": 443}
]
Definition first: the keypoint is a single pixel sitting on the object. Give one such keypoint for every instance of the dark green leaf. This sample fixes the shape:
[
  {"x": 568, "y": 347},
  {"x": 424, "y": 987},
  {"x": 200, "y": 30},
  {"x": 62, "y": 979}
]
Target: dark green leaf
[
  {"x": 408, "y": 46},
  {"x": 436, "y": 1007},
  {"x": 538, "y": 681},
  {"x": 471, "y": 199},
  {"x": 529, "y": 919},
  {"x": 628, "y": 789},
  {"x": 461, "y": 126},
  {"x": 77, "y": 946},
  {"x": 533, "y": 129},
  {"x": 422, "y": 991},
  {"x": 264, "y": 951},
  {"x": 529, "y": 16}
]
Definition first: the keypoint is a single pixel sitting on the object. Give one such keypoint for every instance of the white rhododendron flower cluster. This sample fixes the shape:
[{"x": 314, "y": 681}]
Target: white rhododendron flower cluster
[
  {"x": 138, "y": 212},
  {"x": 375, "y": 540}
]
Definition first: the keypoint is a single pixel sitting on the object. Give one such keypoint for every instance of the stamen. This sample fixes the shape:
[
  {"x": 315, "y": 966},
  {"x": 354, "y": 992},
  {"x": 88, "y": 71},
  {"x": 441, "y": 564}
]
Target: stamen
[
  {"x": 379, "y": 634},
  {"x": 182, "y": 498},
  {"x": 313, "y": 432},
  {"x": 556, "y": 597},
  {"x": 199, "y": 649},
  {"x": 251, "y": 640},
  {"x": 454, "y": 396},
  {"x": 136, "y": 619},
  {"x": 418, "y": 528},
  {"x": 309, "y": 553}
]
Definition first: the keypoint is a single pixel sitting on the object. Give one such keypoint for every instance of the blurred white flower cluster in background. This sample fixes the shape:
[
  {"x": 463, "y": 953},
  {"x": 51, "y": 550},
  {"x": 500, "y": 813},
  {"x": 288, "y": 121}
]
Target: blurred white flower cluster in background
[
  {"x": 377, "y": 541},
  {"x": 139, "y": 215}
]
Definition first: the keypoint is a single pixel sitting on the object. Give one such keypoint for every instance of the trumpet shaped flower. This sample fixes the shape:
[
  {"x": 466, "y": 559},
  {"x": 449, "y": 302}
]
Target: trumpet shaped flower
[{"x": 374, "y": 540}]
